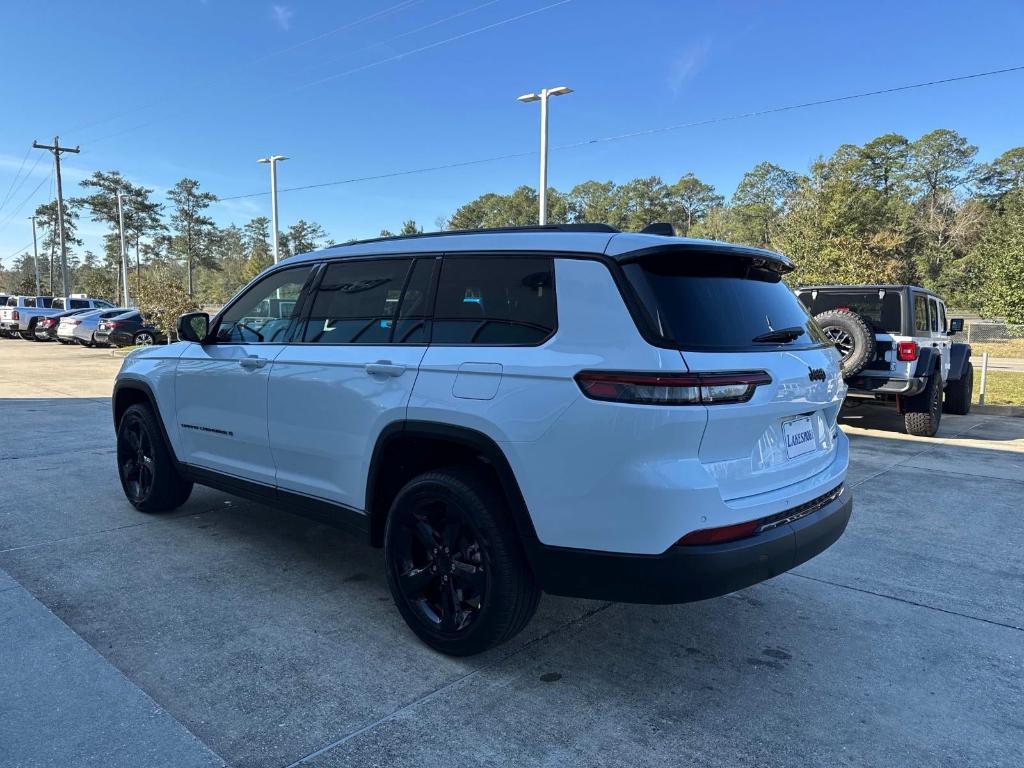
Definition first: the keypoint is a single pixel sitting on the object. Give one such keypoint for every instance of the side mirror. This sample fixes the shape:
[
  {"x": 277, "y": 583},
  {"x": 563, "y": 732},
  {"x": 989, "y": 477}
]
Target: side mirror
[
  {"x": 956, "y": 325},
  {"x": 193, "y": 326}
]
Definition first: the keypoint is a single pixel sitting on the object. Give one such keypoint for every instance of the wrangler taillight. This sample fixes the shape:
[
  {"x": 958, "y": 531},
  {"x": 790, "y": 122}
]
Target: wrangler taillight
[
  {"x": 906, "y": 351},
  {"x": 671, "y": 388}
]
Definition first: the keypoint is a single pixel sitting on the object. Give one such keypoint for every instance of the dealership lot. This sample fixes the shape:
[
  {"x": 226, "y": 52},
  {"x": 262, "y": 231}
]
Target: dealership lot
[{"x": 229, "y": 632}]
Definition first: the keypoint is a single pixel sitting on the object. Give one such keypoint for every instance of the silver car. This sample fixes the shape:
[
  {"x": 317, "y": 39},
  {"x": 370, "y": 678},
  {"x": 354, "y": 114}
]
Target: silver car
[{"x": 82, "y": 328}]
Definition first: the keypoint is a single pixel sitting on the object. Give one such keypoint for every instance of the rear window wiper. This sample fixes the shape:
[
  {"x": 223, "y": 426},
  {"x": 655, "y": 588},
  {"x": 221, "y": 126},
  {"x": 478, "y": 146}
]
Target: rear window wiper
[{"x": 781, "y": 336}]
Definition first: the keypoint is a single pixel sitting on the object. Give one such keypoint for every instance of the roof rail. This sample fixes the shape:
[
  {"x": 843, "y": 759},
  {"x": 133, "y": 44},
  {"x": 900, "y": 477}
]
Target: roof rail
[{"x": 582, "y": 227}]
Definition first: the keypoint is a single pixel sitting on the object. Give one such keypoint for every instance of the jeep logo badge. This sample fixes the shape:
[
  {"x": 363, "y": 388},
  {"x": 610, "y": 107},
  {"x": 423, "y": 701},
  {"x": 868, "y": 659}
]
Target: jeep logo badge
[{"x": 816, "y": 374}]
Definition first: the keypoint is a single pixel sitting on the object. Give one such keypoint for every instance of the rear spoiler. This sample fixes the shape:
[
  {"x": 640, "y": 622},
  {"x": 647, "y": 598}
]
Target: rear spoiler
[{"x": 759, "y": 257}]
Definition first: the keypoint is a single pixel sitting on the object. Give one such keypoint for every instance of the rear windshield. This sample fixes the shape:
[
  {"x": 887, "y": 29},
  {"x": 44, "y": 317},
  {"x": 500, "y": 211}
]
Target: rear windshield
[
  {"x": 884, "y": 312},
  {"x": 712, "y": 301}
]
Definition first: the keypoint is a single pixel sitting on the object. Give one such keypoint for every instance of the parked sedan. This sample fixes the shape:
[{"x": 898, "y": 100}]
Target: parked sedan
[
  {"x": 46, "y": 328},
  {"x": 82, "y": 328},
  {"x": 128, "y": 330}
]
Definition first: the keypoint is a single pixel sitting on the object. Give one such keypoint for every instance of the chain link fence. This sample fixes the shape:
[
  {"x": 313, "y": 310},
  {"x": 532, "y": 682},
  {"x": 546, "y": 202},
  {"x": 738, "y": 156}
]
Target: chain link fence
[{"x": 997, "y": 351}]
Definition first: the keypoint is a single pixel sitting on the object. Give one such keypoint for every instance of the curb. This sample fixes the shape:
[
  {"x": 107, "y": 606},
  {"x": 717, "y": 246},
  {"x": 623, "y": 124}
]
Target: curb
[{"x": 1015, "y": 411}]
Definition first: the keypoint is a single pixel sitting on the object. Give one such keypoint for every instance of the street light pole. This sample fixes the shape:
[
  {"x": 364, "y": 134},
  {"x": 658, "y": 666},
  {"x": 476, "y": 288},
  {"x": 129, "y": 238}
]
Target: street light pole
[
  {"x": 124, "y": 251},
  {"x": 35, "y": 255},
  {"x": 273, "y": 160},
  {"x": 542, "y": 97}
]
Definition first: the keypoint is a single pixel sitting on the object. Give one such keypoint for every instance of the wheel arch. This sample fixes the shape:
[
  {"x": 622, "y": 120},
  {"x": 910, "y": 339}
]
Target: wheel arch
[
  {"x": 959, "y": 359},
  {"x": 405, "y": 449},
  {"x": 129, "y": 392}
]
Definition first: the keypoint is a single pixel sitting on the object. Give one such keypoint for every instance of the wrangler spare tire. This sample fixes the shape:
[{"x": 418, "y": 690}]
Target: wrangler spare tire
[{"x": 852, "y": 336}]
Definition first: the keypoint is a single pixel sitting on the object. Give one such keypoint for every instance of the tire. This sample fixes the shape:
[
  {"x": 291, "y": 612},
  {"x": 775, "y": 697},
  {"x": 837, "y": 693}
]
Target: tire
[
  {"x": 924, "y": 411},
  {"x": 144, "y": 465},
  {"x": 29, "y": 335},
  {"x": 960, "y": 392},
  {"x": 144, "y": 338},
  {"x": 488, "y": 593},
  {"x": 852, "y": 336}
]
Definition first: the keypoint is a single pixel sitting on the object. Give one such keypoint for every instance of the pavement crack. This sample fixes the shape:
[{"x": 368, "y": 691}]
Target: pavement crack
[
  {"x": 908, "y": 602},
  {"x": 450, "y": 685}
]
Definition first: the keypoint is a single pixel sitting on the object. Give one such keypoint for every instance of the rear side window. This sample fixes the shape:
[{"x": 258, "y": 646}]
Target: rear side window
[
  {"x": 920, "y": 313},
  {"x": 495, "y": 301},
  {"x": 883, "y": 312},
  {"x": 79, "y": 304},
  {"x": 714, "y": 301}
]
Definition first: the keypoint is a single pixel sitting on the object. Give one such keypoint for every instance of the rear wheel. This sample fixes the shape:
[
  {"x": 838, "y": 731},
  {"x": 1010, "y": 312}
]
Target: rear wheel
[
  {"x": 454, "y": 564},
  {"x": 960, "y": 392},
  {"x": 144, "y": 338},
  {"x": 924, "y": 411},
  {"x": 148, "y": 475},
  {"x": 29, "y": 335},
  {"x": 852, "y": 336}
]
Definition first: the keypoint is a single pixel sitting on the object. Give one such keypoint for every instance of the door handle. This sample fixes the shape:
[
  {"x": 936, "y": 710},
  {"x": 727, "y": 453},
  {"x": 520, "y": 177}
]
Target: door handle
[
  {"x": 384, "y": 368},
  {"x": 252, "y": 362}
]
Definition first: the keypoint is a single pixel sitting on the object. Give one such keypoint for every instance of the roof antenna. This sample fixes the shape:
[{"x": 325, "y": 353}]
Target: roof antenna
[{"x": 662, "y": 228}]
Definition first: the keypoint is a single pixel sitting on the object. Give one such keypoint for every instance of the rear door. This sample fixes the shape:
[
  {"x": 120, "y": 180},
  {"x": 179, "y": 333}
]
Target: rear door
[
  {"x": 348, "y": 374},
  {"x": 221, "y": 385},
  {"x": 713, "y": 308}
]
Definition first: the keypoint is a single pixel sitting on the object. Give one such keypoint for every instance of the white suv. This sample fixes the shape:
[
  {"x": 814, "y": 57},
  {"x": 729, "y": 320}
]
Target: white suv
[{"x": 568, "y": 409}]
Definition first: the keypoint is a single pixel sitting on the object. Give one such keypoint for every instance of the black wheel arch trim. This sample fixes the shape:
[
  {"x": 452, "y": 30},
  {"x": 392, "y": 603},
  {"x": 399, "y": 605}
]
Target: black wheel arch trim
[
  {"x": 959, "y": 359},
  {"x": 925, "y": 361},
  {"x": 465, "y": 437},
  {"x": 135, "y": 385}
]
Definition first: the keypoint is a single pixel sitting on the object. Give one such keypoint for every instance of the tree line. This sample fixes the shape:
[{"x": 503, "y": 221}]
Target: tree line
[{"x": 921, "y": 211}]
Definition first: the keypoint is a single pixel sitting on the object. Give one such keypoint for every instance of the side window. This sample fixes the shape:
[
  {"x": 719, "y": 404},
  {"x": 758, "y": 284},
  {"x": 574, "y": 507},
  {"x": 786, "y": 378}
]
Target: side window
[
  {"x": 413, "y": 324},
  {"x": 262, "y": 314},
  {"x": 30, "y": 302},
  {"x": 933, "y": 315},
  {"x": 920, "y": 313},
  {"x": 357, "y": 302},
  {"x": 83, "y": 304},
  {"x": 494, "y": 300},
  {"x": 942, "y": 318}
]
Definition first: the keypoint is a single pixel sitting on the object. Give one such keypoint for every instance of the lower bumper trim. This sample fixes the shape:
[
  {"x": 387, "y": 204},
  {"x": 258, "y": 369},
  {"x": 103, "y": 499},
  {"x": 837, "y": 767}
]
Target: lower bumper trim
[{"x": 687, "y": 574}]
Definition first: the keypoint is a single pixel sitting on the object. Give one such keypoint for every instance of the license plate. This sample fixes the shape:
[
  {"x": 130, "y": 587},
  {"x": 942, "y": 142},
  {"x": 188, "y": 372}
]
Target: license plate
[{"x": 799, "y": 436}]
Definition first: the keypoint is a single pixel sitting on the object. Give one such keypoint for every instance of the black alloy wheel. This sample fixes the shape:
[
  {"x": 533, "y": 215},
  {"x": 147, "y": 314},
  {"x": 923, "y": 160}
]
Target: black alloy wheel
[
  {"x": 135, "y": 459},
  {"x": 439, "y": 565},
  {"x": 454, "y": 563}
]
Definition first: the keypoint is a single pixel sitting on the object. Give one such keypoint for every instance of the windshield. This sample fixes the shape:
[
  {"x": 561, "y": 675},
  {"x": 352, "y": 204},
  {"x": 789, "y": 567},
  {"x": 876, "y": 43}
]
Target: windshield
[
  {"x": 709, "y": 300},
  {"x": 884, "y": 312}
]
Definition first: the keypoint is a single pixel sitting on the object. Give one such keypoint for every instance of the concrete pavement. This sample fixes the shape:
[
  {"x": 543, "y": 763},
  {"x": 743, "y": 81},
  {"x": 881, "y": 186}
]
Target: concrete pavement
[{"x": 229, "y": 631}]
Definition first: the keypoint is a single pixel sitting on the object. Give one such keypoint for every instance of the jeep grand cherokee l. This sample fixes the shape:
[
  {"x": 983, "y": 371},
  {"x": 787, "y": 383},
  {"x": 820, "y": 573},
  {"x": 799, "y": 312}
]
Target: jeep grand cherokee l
[{"x": 568, "y": 409}]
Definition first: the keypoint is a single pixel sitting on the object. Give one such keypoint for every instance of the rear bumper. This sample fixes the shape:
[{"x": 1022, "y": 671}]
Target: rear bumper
[
  {"x": 870, "y": 386},
  {"x": 686, "y": 574},
  {"x": 10, "y": 325}
]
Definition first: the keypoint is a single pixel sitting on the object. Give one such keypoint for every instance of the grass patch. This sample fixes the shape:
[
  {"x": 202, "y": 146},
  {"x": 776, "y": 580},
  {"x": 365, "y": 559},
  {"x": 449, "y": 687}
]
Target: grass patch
[
  {"x": 1001, "y": 387},
  {"x": 1010, "y": 348}
]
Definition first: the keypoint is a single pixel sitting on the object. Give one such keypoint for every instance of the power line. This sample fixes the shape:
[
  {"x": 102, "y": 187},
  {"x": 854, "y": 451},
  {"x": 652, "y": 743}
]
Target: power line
[
  {"x": 645, "y": 132},
  {"x": 208, "y": 81},
  {"x": 13, "y": 214},
  {"x": 7, "y": 196},
  {"x": 24, "y": 179},
  {"x": 438, "y": 44}
]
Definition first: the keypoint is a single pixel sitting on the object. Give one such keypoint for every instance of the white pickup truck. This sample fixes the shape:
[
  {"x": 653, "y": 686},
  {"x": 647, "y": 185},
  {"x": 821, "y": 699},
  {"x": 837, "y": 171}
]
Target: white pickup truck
[{"x": 21, "y": 313}]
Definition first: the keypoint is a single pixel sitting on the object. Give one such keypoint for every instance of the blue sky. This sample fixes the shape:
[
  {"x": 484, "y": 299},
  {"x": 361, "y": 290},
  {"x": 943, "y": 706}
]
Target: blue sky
[{"x": 349, "y": 89}]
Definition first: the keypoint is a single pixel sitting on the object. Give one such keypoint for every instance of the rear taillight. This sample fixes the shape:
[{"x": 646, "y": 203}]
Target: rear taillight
[
  {"x": 76, "y": 322},
  {"x": 906, "y": 351},
  {"x": 671, "y": 388},
  {"x": 720, "y": 535},
  {"x": 15, "y": 315}
]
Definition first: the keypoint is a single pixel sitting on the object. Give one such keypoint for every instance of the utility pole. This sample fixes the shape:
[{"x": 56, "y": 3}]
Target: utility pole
[
  {"x": 273, "y": 160},
  {"x": 35, "y": 255},
  {"x": 56, "y": 149},
  {"x": 124, "y": 252}
]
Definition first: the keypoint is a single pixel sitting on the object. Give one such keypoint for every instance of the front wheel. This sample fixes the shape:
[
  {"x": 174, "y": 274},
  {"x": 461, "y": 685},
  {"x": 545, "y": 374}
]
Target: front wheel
[
  {"x": 455, "y": 566},
  {"x": 960, "y": 392},
  {"x": 148, "y": 475}
]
